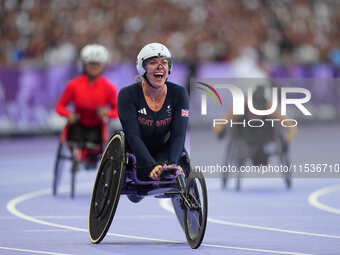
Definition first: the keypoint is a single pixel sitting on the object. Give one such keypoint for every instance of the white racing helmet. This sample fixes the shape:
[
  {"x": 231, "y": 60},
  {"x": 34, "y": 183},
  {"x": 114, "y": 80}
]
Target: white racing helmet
[
  {"x": 94, "y": 53},
  {"x": 149, "y": 51}
]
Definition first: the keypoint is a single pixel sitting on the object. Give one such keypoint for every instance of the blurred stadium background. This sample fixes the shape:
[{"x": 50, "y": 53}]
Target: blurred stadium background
[{"x": 40, "y": 42}]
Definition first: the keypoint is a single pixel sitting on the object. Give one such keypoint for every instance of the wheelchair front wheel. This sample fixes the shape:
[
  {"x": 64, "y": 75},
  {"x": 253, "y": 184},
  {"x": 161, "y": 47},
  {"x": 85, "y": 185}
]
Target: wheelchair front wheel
[
  {"x": 107, "y": 187},
  {"x": 59, "y": 166},
  {"x": 195, "y": 218}
]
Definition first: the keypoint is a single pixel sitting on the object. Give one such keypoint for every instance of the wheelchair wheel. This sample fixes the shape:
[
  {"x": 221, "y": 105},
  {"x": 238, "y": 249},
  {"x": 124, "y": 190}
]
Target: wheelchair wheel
[
  {"x": 59, "y": 166},
  {"x": 238, "y": 180},
  {"x": 177, "y": 201},
  {"x": 287, "y": 176},
  {"x": 233, "y": 158},
  {"x": 195, "y": 218},
  {"x": 229, "y": 160},
  {"x": 107, "y": 187},
  {"x": 285, "y": 160},
  {"x": 74, "y": 171}
]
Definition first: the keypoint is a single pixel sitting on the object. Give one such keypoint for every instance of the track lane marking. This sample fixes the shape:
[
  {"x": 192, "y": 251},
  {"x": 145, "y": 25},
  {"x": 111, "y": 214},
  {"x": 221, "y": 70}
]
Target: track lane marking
[
  {"x": 33, "y": 251},
  {"x": 313, "y": 199},
  {"x": 45, "y": 230},
  {"x": 11, "y": 207},
  {"x": 71, "y": 217},
  {"x": 166, "y": 204}
]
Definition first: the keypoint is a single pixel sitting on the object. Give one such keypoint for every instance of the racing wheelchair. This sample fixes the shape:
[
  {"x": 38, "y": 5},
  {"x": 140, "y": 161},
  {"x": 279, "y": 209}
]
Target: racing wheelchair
[
  {"x": 117, "y": 175},
  {"x": 78, "y": 155},
  {"x": 245, "y": 145}
]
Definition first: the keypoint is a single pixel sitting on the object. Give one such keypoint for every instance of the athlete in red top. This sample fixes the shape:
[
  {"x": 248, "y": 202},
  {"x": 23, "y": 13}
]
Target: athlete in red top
[
  {"x": 93, "y": 97},
  {"x": 87, "y": 96}
]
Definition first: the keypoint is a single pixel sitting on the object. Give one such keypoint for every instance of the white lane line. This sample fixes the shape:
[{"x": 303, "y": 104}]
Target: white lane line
[
  {"x": 46, "y": 230},
  {"x": 66, "y": 217},
  {"x": 32, "y": 251},
  {"x": 313, "y": 199},
  {"x": 55, "y": 217},
  {"x": 69, "y": 217},
  {"x": 166, "y": 204},
  {"x": 235, "y": 224},
  {"x": 257, "y": 250},
  {"x": 11, "y": 207}
]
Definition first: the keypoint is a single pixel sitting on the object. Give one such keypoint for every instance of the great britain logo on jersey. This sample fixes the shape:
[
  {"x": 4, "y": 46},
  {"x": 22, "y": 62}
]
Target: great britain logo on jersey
[{"x": 185, "y": 113}]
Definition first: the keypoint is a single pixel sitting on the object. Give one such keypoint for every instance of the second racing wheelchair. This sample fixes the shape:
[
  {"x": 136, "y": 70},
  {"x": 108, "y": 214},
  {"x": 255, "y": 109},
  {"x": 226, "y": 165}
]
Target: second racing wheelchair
[
  {"x": 117, "y": 175},
  {"x": 73, "y": 155},
  {"x": 257, "y": 146}
]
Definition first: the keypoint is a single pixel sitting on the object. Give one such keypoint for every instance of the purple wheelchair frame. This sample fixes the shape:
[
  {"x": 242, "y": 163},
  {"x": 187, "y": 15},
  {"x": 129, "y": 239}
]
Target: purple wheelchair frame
[{"x": 169, "y": 179}]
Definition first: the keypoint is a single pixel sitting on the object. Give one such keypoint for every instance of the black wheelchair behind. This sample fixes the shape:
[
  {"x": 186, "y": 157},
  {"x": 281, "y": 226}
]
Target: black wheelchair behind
[
  {"x": 86, "y": 154},
  {"x": 256, "y": 145}
]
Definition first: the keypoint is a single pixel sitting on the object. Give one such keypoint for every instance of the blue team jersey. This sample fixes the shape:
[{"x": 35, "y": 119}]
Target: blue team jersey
[{"x": 154, "y": 136}]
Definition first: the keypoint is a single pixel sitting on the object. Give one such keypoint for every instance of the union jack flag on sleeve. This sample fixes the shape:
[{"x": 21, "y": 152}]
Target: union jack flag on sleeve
[{"x": 185, "y": 113}]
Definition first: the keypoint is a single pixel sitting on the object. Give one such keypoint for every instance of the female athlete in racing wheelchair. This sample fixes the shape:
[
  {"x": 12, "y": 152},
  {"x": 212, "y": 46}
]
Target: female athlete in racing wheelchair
[
  {"x": 148, "y": 157},
  {"x": 94, "y": 101}
]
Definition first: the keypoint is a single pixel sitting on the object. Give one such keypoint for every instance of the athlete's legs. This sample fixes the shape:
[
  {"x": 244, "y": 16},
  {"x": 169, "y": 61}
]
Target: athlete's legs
[
  {"x": 93, "y": 134},
  {"x": 76, "y": 134}
]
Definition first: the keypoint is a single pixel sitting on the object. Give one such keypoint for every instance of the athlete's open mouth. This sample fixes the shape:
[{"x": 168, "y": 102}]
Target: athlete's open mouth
[{"x": 158, "y": 75}]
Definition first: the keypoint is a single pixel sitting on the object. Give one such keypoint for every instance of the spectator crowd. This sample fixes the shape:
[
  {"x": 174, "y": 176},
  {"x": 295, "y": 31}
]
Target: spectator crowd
[{"x": 47, "y": 32}]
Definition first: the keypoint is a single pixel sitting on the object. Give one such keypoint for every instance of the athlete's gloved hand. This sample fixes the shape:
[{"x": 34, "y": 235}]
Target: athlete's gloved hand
[
  {"x": 102, "y": 112},
  {"x": 156, "y": 172},
  {"x": 178, "y": 167},
  {"x": 72, "y": 118}
]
